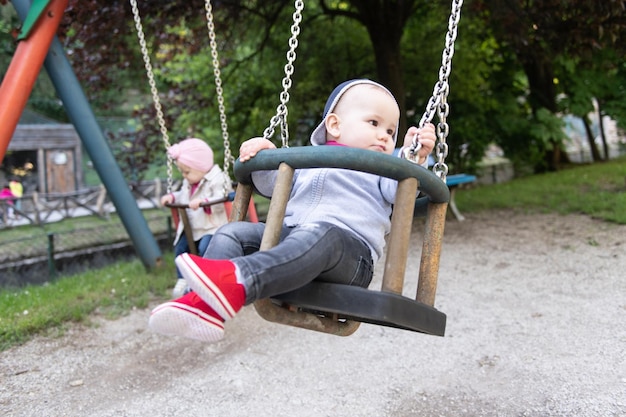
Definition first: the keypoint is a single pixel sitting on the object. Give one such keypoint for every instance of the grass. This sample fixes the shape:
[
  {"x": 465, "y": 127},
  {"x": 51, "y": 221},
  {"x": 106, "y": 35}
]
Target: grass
[
  {"x": 111, "y": 291},
  {"x": 598, "y": 190}
]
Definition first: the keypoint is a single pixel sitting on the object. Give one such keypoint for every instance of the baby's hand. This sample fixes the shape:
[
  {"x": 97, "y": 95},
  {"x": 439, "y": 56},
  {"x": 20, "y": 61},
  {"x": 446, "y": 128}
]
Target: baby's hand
[
  {"x": 426, "y": 136},
  {"x": 252, "y": 146}
]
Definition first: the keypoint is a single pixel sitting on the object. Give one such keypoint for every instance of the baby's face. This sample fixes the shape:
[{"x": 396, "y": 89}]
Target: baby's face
[
  {"x": 367, "y": 119},
  {"x": 193, "y": 176}
]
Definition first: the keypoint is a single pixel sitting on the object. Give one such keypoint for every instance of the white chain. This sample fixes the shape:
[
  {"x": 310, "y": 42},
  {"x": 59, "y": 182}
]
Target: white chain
[
  {"x": 281, "y": 110},
  {"x": 439, "y": 100},
  {"x": 153, "y": 89}
]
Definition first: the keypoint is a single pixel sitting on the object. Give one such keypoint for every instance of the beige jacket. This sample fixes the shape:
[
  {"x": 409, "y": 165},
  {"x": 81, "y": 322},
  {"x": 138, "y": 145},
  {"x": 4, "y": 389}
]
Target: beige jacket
[{"x": 211, "y": 187}]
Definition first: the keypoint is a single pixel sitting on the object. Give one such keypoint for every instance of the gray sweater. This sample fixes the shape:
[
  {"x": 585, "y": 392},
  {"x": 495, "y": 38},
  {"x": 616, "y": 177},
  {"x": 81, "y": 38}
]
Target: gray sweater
[{"x": 353, "y": 200}]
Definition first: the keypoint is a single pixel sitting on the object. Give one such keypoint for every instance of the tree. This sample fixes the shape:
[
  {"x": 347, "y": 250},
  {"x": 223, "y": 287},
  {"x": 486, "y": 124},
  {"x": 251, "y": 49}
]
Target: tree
[
  {"x": 252, "y": 38},
  {"x": 393, "y": 17},
  {"x": 114, "y": 75},
  {"x": 540, "y": 30},
  {"x": 591, "y": 84}
]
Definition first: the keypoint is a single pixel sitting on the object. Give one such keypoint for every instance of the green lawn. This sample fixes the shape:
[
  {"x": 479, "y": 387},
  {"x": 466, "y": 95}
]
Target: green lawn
[
  {"x": 111, "y": 291},
  {"x": 598, "y": 190}
]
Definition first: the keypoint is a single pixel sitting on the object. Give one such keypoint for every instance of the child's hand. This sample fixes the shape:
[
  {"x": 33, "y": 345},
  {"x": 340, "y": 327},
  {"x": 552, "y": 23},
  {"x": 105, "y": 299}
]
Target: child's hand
[
  {"x": 426, "y": 136},
  {"x": 195, "y": 203},
  {"x": 167, "y": 199},
  {"x": 252, "y": 146}
]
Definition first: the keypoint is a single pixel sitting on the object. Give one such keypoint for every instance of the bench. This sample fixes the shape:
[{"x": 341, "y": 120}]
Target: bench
[{"x": 453, "y": 182}]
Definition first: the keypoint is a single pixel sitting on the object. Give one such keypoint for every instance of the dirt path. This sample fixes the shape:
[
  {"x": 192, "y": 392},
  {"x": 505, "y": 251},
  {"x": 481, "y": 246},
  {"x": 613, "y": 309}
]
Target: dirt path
[{"x": 536, "y": 311}]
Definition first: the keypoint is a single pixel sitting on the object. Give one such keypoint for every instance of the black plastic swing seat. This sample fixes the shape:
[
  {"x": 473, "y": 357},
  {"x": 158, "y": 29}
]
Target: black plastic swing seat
[{"x": 366, "y": 306}]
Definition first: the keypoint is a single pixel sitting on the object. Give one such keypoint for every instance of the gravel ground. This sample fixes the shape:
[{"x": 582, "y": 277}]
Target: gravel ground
[{"x": 536, "y": 327}]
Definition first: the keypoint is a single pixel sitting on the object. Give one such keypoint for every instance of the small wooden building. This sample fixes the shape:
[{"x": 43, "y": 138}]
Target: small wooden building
[{"x": 56, "y": 149}]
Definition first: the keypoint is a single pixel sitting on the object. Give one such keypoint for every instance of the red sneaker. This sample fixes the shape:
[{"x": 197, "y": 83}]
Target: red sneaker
[
  {"x": 214, "y": 281},
  {"x": 187, "y": 316}
]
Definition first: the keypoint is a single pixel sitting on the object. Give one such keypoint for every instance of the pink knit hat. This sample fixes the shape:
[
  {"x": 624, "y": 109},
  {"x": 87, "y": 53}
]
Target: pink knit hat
[{"x": 194, "y": 153}]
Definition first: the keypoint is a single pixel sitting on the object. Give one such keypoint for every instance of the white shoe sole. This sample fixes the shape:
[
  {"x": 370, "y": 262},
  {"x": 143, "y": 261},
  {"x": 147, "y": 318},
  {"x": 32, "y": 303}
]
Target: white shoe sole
[{"x": 177, "y": 319}]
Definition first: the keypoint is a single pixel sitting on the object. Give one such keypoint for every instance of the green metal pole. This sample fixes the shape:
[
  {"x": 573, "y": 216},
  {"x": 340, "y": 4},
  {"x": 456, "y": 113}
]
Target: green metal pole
[{"x": 82, "y": 117}]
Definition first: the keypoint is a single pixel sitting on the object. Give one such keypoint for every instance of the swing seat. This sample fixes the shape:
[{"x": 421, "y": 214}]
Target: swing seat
[
  {"x": 336, "y": 308},
  {"x": 366, "y": 306}
]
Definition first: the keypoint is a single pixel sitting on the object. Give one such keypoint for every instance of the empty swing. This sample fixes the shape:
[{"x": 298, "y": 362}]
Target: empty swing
[
  {"x": 178, "y": 210},
  {"x": 339, "y": 309}
]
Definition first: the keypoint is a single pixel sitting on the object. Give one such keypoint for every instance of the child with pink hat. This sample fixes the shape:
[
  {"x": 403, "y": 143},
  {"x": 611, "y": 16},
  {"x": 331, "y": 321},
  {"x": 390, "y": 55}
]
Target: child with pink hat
[{"x": 202, "y": 181}]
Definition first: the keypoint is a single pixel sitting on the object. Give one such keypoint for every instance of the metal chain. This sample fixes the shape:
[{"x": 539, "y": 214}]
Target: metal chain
[
  {"x": 281, "y": 110},
  {"x": 228, "y": 157},
  {"x": 153, "y": 90},
  {"x": 439, "y": 100}
]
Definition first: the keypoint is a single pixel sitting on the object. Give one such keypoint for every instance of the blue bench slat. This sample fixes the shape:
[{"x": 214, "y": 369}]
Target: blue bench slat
[{"x": 458, "y": 179}]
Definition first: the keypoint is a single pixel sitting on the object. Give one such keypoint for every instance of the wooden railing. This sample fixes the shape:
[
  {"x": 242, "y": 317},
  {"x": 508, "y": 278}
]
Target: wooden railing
[{"x": 40, "y": 208}]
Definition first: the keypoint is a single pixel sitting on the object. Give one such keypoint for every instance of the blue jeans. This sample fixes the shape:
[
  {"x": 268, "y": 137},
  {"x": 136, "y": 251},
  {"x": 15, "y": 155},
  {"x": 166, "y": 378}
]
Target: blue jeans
[
  {"x": 182, "y": 246},
  {"x": 306, "y": 252}
]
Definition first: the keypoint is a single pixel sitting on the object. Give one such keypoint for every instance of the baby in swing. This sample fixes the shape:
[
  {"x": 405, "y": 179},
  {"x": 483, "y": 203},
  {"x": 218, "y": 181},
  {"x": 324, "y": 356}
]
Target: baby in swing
[
  {"x": 323, "y": 236},
  {"x": 202, "y": 181}
]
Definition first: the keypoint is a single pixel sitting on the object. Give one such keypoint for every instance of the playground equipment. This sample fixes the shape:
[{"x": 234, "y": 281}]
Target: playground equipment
[{"x": 36, "y": 42}]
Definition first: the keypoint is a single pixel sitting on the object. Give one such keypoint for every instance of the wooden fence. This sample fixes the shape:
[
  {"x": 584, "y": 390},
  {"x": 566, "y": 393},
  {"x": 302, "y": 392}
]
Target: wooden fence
[{"x": 39, "y": 208}]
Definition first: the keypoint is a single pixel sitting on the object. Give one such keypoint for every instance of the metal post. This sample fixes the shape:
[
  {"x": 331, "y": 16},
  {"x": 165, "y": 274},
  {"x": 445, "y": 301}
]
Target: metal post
[{"x": 52, "y": 271}]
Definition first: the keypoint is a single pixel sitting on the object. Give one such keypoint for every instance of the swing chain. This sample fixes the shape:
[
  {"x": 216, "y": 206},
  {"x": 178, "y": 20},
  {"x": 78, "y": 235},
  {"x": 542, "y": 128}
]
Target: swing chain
[
  {"x": 439, "y": 100},
  {"x": 281, "y": 110},
  {"x": 228, "y": 157},
  {"x": 441, "y": 151},
  {"x": 153, "y": 89}
]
